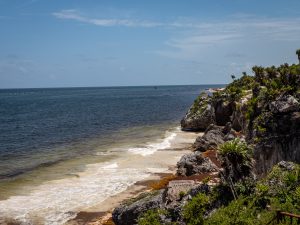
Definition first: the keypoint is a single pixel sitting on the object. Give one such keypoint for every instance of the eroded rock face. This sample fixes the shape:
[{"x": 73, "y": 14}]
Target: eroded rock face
[
  {"x": 194, "y": 163},
  {"x": 200, "y": 115},
  {"x": 212, "y": 137},
  {"x": 223, "y": 112},
  {"x": 284, "y": 104},
  {"x": 127, "y": 214},
  {"x": 282, "y": 142},
  {"x": 272, "y": 151},
  {"x": 199, "y": 120},
  {"x": 172, "y": 200}
]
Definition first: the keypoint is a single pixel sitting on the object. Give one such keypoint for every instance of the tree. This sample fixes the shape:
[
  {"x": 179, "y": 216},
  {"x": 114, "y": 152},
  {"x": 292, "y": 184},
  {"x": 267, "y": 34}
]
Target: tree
[
  {"x": 259, "y": 73},
  {"x": 298, "y": 53}
]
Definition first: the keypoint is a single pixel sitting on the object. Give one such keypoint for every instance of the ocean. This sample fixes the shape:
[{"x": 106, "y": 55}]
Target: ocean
[{"x": 63, "y": 149}]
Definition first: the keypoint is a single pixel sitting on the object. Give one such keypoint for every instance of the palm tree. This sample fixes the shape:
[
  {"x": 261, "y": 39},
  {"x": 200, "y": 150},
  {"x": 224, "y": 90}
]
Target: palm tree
[{"x": 298, "y": 53}]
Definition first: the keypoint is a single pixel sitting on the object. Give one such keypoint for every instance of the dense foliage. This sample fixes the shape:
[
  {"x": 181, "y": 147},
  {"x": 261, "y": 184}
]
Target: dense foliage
[
  {"x": 236, "y": 157},
  {"x": 280, "y": 190},
  {"x": 240, "y": 198}
]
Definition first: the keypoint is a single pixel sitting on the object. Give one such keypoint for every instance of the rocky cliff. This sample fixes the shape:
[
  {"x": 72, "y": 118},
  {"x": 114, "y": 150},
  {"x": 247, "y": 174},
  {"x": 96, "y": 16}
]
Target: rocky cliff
[
  {"x": 249, "y": 126},
  {"x": 264, "y": 108}
]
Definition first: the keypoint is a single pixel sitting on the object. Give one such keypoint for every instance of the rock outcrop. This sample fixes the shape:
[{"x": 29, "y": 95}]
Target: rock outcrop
[
  {"x": 281, "y": 137},
  {"x": 262, "y": 110},
  {"x": 194, "y": 163},
  {"x": 128, "y": 213},
  {"x": 172, "y": 199},
  {"x": 284, "y": 104},
  {"x": 199, "y": 116},
  {"x": 223, "y": 111},
  {"x": 214, "y": 136}
]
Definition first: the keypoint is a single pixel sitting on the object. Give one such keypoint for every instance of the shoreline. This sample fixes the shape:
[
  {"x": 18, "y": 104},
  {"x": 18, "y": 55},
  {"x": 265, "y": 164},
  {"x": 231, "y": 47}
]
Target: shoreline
[{"x": 101, "y": 213}]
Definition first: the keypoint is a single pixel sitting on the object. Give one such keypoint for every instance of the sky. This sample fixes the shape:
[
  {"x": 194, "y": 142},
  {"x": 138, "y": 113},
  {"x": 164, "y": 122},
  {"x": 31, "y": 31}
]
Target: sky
[{"x": 72, "y": 43}]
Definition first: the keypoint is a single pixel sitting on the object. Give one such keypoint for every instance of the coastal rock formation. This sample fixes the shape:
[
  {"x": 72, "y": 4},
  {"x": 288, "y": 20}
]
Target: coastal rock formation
[
  {"x": 172, "y": 199},
  {"x": 128, "y": 213},
  {"x": 194, "y": 163},
  {"x": 254, "y": 124},
  {"x": 281, "y": 142},
  {"x": 223, "y": 111},
  {"x": 199, "y": 116},
  {"x": 214, "y": 136},
  {"x": 284, "y": 104}
]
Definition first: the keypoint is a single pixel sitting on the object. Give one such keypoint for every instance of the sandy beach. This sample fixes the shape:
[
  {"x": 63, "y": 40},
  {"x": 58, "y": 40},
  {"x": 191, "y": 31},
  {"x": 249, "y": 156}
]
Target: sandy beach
[{"x": 164, "y": 161}]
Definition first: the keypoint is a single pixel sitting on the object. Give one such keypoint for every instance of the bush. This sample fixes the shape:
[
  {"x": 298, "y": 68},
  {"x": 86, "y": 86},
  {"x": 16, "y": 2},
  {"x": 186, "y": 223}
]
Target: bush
[
  {"x": 193, "y": 211},
  {"x": 151, "y": 217},
  {"x": 236, "y": 157},
  {"x": 237, "y": 148}
]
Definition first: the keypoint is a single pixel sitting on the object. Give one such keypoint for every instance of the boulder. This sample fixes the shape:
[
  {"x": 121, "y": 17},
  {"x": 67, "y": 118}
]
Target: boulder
[
  {"x": 128, "y": 213},
  {"x": 194, "y": 163},
  {"x": 212, "y": 137},
  {"x": 284, "y": 104},
  {"x": 287, "y": 165},
  {"x": 199, "y": 116}
]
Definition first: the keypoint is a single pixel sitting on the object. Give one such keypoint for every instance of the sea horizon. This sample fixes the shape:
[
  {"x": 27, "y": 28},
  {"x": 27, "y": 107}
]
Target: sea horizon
[{"x": 113, "y": 86}]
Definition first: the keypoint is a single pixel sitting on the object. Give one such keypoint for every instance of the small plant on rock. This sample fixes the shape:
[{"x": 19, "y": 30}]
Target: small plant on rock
[{"x": 236, "y": 156}]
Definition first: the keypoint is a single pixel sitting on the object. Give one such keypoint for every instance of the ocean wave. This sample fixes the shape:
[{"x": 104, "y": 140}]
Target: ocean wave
[
  {"x": 56, "y": 202},
  {"x": 150, "y": 148}
]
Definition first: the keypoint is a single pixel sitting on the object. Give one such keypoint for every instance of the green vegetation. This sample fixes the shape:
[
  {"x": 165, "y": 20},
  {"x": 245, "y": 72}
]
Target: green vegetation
[
  {"x": 151, "y": 217},
  {"x": 280, "y": 190},
  {"x": 200, "y": 103},
  {"x": 240, "y": 198},
  {"x": 193, "y": 211},
  {"x": 236, "y": 159},
  {"x": 181, "y": 194},
  {"x": 238, "y": 88}
]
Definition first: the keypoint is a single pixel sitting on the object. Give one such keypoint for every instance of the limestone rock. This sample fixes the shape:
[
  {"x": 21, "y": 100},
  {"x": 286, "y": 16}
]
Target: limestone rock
[
  {"x": 284, "y": 104},
  {"x": 127, "y": 214},
  {"x": 223, "y": 112},
  {"x": 212, "y": 137},
  {"x": 194, "y": 163},
  {"x": 199, "y": 116}
]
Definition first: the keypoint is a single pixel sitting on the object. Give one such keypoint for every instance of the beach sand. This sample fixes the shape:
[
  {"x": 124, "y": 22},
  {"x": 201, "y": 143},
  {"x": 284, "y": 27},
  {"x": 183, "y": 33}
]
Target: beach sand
[{"x": 166, "y": 158}]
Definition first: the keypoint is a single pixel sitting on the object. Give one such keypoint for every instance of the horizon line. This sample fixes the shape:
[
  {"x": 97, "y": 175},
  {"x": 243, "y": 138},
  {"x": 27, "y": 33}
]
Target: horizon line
[{"x": 61, "y": 87}]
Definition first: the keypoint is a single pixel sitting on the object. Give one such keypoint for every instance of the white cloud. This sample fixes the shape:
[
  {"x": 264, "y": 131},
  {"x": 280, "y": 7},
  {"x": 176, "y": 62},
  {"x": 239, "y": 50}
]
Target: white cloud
[
  {"x": 73, "y": 14},
  {"x": 211, "y": 32},
  {"x": 202, "y": 37}
]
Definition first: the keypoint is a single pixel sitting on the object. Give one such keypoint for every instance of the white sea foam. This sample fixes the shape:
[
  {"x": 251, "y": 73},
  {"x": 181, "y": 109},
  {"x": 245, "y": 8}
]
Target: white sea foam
[
  {"x": 150, "y": 148},
  {"x": 110, "y": 166},
  {"x": 56, "y": 202}
]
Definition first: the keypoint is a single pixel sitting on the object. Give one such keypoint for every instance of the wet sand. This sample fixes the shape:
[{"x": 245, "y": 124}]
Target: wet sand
[{"x": 101, "y": 213}]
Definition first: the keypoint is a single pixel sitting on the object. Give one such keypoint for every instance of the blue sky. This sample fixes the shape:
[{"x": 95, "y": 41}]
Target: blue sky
[{"x": 70, "y": 43}]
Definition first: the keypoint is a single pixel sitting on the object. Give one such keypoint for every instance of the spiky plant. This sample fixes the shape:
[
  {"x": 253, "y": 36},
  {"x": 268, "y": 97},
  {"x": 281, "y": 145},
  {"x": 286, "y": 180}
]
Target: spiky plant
[{"x": 236, "y": 157}]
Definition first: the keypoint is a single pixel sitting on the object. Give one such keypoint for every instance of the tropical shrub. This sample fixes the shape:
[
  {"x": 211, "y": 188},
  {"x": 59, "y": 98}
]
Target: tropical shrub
[{"x": 193, "y": 211}]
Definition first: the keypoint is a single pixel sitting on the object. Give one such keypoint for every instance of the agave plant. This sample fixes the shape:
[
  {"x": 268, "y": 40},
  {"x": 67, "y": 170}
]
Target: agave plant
[{"x": 236, "y": 157}]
